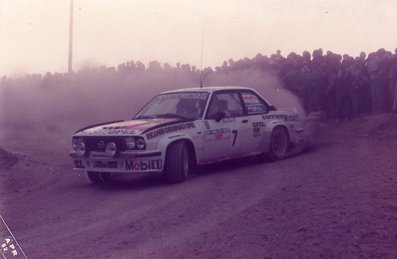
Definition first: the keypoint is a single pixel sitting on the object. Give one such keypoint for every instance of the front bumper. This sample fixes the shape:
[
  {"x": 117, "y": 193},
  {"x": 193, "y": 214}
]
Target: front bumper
[{"x": 125, "y": 162}]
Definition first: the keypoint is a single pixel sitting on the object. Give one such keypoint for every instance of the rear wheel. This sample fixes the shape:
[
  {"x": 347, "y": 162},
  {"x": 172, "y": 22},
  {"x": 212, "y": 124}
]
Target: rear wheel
[
  {"x": 177, "y": 162},
  {"x": 279, "y": 142},
  {"x": 99, "y": 178}
]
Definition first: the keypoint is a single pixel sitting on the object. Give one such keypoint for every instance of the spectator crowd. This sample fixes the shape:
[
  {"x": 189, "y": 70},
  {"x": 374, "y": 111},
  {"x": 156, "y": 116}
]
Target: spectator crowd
[{"x": 340, "y": 85}]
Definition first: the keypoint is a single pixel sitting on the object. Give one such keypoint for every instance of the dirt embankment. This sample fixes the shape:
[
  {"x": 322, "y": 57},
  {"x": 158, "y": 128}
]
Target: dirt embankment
[{"x": 7, "y": 159}]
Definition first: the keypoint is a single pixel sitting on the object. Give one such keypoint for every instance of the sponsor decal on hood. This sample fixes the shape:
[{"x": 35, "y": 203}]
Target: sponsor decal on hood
[
  {"x": 130, "y": 127},
  {"x": 169, "y": 128}
]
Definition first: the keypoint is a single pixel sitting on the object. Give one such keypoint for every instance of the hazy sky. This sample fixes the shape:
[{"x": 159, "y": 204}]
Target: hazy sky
[{"x": 34, "y": 33}]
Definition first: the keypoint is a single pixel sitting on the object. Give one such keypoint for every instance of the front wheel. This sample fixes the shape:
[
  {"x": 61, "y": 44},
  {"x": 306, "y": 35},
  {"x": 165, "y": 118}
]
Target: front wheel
[
  {"x": 279, "y": 142},
  {"x": 177, "y": 162},
  {"x": 99, "y": 178}
]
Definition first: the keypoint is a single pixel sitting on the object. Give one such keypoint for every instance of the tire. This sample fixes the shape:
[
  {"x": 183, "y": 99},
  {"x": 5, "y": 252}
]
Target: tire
[
  {"x": 279, "y": 143},
  {"x": 177, "y": 162},
  {"x": 99, "y": 178}
]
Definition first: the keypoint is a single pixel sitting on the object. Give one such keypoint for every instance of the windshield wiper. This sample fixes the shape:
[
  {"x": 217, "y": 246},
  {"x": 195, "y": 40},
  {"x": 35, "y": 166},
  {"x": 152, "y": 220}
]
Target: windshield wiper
[{"x": 171, "y": 115}]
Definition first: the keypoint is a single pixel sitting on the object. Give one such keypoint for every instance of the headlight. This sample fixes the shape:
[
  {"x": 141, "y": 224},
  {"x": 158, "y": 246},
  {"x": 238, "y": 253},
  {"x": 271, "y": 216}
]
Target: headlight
[
  {"x": 140, "y": 143},
  {"x": 111, "y": 149},
  {"x": 134, "y": 143},
  {"x": 130, "y": 143},
  {"x": 74, "y": 144},
  {"x": 79, "y": 146}
]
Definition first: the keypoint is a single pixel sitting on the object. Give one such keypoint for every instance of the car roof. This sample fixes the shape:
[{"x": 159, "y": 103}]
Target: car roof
[{"x": 208, "y": 89}]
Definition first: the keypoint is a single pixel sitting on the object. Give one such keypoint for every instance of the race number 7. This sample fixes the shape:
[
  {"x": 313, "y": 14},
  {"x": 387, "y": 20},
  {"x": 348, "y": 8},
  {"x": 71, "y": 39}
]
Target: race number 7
[{"x": 234, "y": 137}]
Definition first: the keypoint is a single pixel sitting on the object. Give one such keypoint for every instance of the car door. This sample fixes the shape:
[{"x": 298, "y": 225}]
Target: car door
[
  {"x": 255, "y": 107},
  {"x": 221, "y": 136}
]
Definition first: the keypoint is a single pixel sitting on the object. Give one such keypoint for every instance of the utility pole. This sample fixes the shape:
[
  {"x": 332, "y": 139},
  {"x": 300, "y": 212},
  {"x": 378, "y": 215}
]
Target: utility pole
[
  {"x": 70, "y": 61},
  {"x": 201, "y": 58}
]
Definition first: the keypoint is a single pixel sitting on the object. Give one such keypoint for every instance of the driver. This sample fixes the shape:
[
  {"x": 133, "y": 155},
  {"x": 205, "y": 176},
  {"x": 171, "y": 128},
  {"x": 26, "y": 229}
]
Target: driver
[{"x": 218, "y": 106}]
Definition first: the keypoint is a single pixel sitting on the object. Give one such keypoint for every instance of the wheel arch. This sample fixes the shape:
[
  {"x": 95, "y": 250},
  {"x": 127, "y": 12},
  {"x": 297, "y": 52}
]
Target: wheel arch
[
  {"x": 190, "y": 146},
  {"x": 177, "y": 167},
  {"x": 274, "y": 155},
  {"x": 269, "y": 131},
  {"x": 285, "y": 128}
]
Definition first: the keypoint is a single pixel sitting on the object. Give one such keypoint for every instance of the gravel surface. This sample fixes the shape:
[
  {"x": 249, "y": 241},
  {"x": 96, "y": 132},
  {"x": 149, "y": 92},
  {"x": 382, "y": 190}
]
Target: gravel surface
[{"x": 337, "y": 200}]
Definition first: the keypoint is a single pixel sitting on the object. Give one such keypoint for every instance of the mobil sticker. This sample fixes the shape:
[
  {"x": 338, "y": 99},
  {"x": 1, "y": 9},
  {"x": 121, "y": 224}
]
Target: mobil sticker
[{"x": 143, "y": 165}]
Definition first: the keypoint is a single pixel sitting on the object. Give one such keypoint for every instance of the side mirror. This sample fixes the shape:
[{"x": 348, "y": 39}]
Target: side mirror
[{"x": 219, "y": 116}]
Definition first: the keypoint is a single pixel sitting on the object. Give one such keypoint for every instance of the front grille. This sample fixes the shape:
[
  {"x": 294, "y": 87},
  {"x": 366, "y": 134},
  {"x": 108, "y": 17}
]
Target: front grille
[{"x": 98, "y": 144}]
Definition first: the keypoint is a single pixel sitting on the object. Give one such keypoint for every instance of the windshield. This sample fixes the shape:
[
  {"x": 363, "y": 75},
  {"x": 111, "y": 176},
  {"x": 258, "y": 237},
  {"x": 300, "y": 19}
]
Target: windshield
[{"x": 186, "y": 105}]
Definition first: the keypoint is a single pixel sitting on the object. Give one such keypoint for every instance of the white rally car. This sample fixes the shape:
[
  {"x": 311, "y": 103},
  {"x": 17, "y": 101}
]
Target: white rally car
[{"x": 181, "y": 128}]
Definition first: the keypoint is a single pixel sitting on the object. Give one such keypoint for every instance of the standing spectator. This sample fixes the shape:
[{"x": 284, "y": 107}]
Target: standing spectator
[
  {"x": 343, "y": 90},
  {"x": 292, "y": 78},
  {"x": 393, "y": 82},
  {"x": 361, "y": 88},
  {"x": 372, "y": 68},
  {"x": 378, "y": 69},
  {"x": 307, "y": 91},
  {"x": 330, "y": 105},
  {"x": 318, "y": 82}
]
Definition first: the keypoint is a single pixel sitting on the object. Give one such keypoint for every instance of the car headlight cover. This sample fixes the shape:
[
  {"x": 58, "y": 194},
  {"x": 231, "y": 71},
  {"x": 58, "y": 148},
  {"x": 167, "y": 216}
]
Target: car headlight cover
[
  {"x": 74, "y": 145},
  {"x": 111, "y": 149},
  {"x": 130, "y": 143},
  {"x": 140, "y": 143},
  {"x": 79, "y": 146}
]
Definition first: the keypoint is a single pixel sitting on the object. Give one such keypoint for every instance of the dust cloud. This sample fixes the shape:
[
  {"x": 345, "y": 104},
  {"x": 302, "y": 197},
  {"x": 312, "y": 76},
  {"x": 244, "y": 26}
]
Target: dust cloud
[{"x": 62, "y": 103}]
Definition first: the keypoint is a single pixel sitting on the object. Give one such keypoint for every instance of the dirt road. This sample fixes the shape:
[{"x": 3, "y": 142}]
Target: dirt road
[{"x": 338, "y": 200}]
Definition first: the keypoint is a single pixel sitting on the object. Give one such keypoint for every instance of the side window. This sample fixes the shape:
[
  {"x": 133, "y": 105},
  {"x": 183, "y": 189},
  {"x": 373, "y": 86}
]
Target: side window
[
  {"x": 253, "y": 104},
  {"x": 228, "y": 102}
]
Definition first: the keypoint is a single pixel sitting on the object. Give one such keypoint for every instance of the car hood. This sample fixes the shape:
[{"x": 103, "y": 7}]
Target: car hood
[{"x": 130, "y": 127}]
